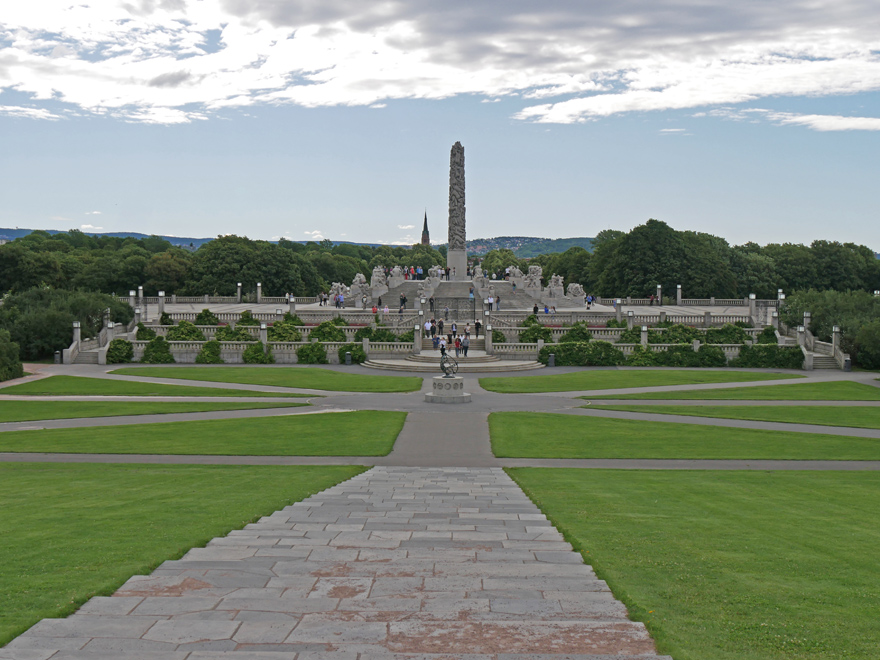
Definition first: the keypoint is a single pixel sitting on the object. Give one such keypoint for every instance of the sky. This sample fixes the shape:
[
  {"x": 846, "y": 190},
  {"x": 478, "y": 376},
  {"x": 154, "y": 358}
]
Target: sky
[{"x": 751, "y": 120}]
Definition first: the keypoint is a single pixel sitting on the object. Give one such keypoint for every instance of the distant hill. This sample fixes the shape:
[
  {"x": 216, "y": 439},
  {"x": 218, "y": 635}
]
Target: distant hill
[{"x": 527, "y": 246}]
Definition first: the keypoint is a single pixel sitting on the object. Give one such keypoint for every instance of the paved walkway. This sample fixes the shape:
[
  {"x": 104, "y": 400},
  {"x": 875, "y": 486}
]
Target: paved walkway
[{"x": 395, "y": 564}]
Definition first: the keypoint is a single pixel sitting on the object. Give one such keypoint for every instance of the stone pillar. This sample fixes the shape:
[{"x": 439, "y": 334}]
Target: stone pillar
[
  {"x": 264, "y": 335},
  {"x": 173, "y": 298},
  {"x": 238, "y": 295},
  {"x": 456, "y": 255},
  {"x": 291, "y": 304},
  {"x": 774, "y": 320},
  {"x": 140, "y": 300},
  {"x": 259, "y": 292},
  {"x": 835, "y": 338},
  {"x": 659, "y": 295},
  {"x": 488, "y": 335},
  {"x": 807, "y": 317},
  {"x": 712, "y": 301},
  {"x": 132, "y": 298},
  {"x": 365, "y": 342},
  {"x": 644, "y": 336},
  {"x": 753, "y": 307},
  {"x": 279, "y": 315},
  {"x": 662, "y": 317},
  {"x": 161, "y": 303},
  {"x": 707, "y": 319},
  {"x": 77, "y": 332},
  {"x": 618, "y": 311},
  {"x": 540, "y": 345},
  {"x": 629, "y": 300},
  {"x": 678, "y": 295},
  {"x": 417, "y": 340},
  {"x": 696, "y": 345},
  {"x": 206, "y": 299},
  {"x": 779, "y": 295},
  {"x": 630, "y": 319},
  {"x": 801, "y": 335},
  {"x": 137, "y": 315}
]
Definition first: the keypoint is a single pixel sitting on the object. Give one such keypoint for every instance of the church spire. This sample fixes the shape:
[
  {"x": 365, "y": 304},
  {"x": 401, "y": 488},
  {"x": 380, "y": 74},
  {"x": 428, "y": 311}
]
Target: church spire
[{"x": 426, "y": 238}]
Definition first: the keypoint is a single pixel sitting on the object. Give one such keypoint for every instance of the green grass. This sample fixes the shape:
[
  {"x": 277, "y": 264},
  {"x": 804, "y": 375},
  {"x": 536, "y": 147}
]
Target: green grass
[
  {"x": 841, "y": 390},
  {"x": 359, "y": 433},
  {"x": 82, "y": 386},
  {"x": 547, "y": 435},
  {"x": 26, "y": 411},
  {"x": 311, "y": 378},
  {"x": 75, "y": 531},
  {"x": 610, "y": 380},
  {"x": 730, "y": 565},
  {"x": 850, "y": 416}
]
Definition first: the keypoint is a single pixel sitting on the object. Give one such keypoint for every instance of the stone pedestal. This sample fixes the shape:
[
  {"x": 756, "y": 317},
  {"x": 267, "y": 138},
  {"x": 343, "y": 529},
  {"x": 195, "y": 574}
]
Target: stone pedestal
[
  {"x": 448, "y": 390},
  {"x": 457, "y": 259}
]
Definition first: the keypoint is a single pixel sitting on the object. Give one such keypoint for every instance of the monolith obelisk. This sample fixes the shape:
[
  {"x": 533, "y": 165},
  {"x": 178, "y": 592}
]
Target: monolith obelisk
[{"x": 456, "y": 254}]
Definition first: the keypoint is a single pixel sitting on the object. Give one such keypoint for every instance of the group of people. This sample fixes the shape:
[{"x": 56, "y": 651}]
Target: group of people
[{"x": 441, "y": 339}]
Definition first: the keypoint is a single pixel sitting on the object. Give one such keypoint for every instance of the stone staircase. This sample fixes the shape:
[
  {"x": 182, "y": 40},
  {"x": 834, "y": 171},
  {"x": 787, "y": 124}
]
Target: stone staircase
[
  {"x": 824, "y": 362},
  {"x": 429, "y": 360},
  {"x": 86, "y": 357}
]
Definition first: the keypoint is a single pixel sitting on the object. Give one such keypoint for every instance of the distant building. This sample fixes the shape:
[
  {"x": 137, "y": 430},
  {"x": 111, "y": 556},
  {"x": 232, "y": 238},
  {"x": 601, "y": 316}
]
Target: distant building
[{"x": 426, "y": 238}]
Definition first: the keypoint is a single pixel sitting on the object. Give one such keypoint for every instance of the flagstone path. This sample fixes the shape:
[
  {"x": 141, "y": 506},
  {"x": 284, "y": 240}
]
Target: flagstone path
[{"x": 398, "y": 563}]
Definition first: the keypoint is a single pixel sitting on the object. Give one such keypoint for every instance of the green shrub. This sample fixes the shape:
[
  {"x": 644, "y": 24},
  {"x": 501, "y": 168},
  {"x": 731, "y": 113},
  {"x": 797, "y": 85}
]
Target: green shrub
[
  {"x": 157, "y": 352},
  {"x": 292, "y": 319},
  {"x": 867, "y": 346},
  {"x": 364, "y": 333},
  {"x": 284, "y": 332},
  {"x": 210, "y": 353},
  {"x": 383, "y": 334},
  {"x": 247, "y": 318},
  {"x": 338, "y": 321},
  {"x": 498, "y": 337},
  {"x": 633, "y": 335},
  {"x": 165, "y": 319},
  {"x": 642, "y": 356},
  {"x": 711, "y": 356},
  {"x": 144, "y": 333},
  {"x": 119, "y": 351},
  {"x": 409, "y": 335},
  {"x": 327, "y": 331},
  {"x": 766, "y": 356},
  {"x": 727, "y": 334},
  {"x": 743, "y": 324},
  {"x": 614, "y": 323},
  {"x": 531, "y": 319},
  {"x": 10, "y": 363},
  {"x": 258, "y": 354},
  {"x": 228, "y": 333},
  {"x": 184, "y": 331},
  {"x": 678, "y": 334},
  {"x": 578, "y": 332},
  {"x": 767, "y": 336},
  {"x": 357, "y": 353},
  {"x": 681, "y": 355},
  {"x": 535, "y": 332},
  {"x": 583, "y": 354},
  {"x": 311, "y": 354},
  {"x": 207, "y": 317}
]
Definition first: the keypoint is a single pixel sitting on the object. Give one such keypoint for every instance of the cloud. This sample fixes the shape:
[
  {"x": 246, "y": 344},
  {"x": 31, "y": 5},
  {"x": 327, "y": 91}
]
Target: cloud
[
  {"x": 672, "y": 130},
  {"x": 90, "y": 228},
  {"x": 813, "y": 121},
  {"x": 92, "y": 213},
  {"x": 315, "y": 235},
  {"x": 175, "y": 61},
  {"x": 406, "y": 226}
]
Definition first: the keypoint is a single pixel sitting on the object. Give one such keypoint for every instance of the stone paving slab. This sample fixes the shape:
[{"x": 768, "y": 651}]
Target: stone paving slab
[{"x": 398, "y": 563}]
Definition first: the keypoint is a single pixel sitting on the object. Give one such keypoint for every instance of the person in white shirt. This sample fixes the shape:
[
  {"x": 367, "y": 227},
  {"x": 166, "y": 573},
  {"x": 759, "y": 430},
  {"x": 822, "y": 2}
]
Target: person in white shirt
[{"x": 427, "y": 329}]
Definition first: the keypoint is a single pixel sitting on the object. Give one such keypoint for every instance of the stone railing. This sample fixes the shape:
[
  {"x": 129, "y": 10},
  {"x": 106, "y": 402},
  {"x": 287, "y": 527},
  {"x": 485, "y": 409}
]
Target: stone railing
[
  {"x": 231, "y": 352},
  {"x": 516, "y": 351},
  {"x": 389, "y": 348}
]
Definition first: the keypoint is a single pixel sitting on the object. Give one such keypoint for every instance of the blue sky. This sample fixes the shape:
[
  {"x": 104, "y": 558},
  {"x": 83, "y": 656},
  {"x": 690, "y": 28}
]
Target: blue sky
[{"x": 335, "y": 119}]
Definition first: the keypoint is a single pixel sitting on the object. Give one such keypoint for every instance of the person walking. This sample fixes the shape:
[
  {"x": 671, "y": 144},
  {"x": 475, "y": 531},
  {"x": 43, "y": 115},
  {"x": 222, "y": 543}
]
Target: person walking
[
  {"x": 454, "y": 330},
  {"x": 465, "y": 343},
  {"x": 467, "y": 330},
  {"x": 446, "y": 312},
  {"x": 535, "y": 309},
  {"x": 431, "y": 301},
  {"x": 477, "y": 326},
  {"x": 514, "y": 288},
  {"x": 491, "y": 301},
  {"x": 427, "y": 329},
  {"x": 457, "y": 346},
  {"x": 442, "y": 345},
  {"x": 498, "y": 303}
]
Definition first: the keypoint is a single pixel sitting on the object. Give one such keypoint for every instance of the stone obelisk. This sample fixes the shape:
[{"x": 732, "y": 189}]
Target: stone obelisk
[{"x": 456, "y": 255}]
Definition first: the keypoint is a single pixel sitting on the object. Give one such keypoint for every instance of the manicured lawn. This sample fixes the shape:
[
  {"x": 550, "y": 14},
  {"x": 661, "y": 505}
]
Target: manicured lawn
[
  {"x": 311, "y": 378},
  {"x": 610, "y": 380},
  {"x": 359, "y": 433},
  {"x": 81, "y": 386},
  {"x": 730, "y": 565},
  {"x": 75, "y": 531},
  {"x": 548, "y": 435},
  {"x": 852, "y": 416},
  {"x": 25, "y": 411},
  {"x": 841, "y": 390}
]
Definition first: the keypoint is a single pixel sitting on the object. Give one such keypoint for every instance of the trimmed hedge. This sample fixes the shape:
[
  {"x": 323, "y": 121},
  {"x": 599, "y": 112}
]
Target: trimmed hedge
[
  {"x": 533, "y": 333},
  {"x": 120, "y": 351},
  {"x": 144, "y": 333},
  {"x": 247, "y": 318},
  {"x": 614, "y": 323},
  {"x": 210, "y": 353},
  {"x": 157, "y": 352},
  {"x": 578, "y": 332},
  {"x": 10, "y": 363},
  {"x": 207, "y": 317},
  {"x": 165, "y": 319},
  {"x": 284, "y": 332},
  {"x": 766, "y": 356},
  {"x": 313, "y": 353},
  {"x": 184, "y": 331},
  {"x": 327, "y": 331},
  {"x": 258, "y": 354},
  {"x": 357, "y": 353},
  {"x": 727, "y": 334},
  {"x": 583, "y": 354},
  {"x": 409, "y": 335},
  {"x": 227, "y": 333},
  {"x": 767, "y": 336},
  {"x": 374, "y": 334},
  {"x": 292, "y": 319},
  {"x": 498, "y": 337},
  {"x": 678, "y": 356}
]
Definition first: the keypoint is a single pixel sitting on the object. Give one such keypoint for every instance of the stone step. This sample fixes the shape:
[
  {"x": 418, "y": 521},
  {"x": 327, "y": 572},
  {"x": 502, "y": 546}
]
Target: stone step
[
  {"x": 483, "y": 367},
  {"x": 86, "y": 357},
  {"x": 824, "y": 362},
  {"x": 433, "y": 357}
]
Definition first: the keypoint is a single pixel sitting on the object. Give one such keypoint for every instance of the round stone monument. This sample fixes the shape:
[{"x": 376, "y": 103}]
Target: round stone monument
[{"x": 448, "y": 389}]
